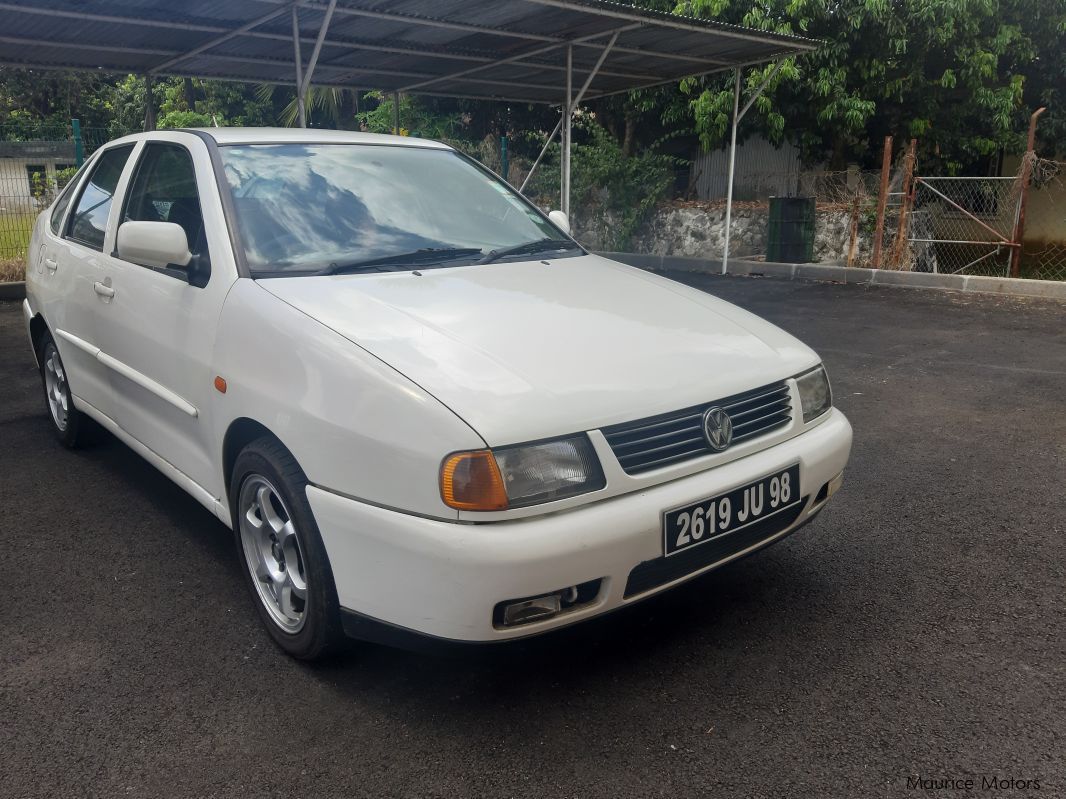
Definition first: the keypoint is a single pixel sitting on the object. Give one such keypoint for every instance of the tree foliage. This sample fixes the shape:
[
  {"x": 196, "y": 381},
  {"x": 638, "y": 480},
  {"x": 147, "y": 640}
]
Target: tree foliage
[{"x": 960, "y": 75}]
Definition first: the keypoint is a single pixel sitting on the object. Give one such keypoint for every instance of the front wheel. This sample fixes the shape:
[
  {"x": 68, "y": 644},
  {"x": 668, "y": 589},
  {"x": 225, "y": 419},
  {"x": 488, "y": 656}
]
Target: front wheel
[{"x": 280, "y": 548}]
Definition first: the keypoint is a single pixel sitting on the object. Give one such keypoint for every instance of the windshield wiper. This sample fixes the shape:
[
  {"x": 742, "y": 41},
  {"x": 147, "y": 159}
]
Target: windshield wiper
[
  {"x": 425, "y": 255},
  {"x": 530, "y": 247}
]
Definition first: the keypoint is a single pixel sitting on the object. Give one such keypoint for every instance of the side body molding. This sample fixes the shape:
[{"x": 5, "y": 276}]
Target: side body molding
[{"x": 130, "y": 373}]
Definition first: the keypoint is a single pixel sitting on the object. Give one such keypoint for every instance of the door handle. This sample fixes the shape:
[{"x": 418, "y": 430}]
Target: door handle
[
  {"x": 51, "y": 264},
  {"x": 102, "y": 290}
]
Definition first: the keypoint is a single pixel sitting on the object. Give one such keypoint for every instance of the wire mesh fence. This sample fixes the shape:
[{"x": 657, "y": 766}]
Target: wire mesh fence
[
  {"x": 29, "y": 157},
  {"x": 1043, "y": 255},
  {"x": 959, "y": 225},
  {"x": 36, "y": 161},
  {"x": 963, "y": 225}
]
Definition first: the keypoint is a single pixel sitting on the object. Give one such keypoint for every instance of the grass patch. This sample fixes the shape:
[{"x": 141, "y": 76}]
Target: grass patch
[
  {"x": 15, "y": 230},
  {"x": 12, "y": 269}
]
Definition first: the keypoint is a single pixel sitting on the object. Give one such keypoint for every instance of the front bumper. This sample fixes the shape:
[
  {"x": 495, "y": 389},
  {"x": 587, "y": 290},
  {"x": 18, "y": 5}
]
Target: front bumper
[{"x": 444, "y": 579}]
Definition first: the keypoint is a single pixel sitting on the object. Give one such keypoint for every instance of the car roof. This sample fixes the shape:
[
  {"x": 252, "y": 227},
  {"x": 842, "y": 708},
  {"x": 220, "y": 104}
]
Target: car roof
[{"x": 225, "y": 136}]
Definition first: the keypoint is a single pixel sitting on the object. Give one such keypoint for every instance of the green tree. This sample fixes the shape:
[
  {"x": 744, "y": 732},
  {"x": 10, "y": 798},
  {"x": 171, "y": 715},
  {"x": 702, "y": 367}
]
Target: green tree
[{"x": 952, "y": 73}]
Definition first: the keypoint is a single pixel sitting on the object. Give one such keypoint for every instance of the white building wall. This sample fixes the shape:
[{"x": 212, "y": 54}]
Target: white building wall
[{"x": 16, "y": 194}]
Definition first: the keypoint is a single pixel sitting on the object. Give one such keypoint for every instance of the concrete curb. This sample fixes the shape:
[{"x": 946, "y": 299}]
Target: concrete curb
[
  {"x": 1004, "y": 286},
  {"x": 13, "y": 291}
]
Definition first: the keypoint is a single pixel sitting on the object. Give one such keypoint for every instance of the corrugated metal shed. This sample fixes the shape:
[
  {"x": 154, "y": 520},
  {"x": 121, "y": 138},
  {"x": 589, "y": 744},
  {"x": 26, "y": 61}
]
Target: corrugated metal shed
[
  {"x": 492, "y": 49},
  {"x": 762, "y": 170}
]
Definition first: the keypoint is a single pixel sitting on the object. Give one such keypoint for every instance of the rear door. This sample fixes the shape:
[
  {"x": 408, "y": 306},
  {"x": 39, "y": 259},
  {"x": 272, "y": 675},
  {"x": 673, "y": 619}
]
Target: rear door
[
  {"x": 158, "y": 329},
  {"x": 71, "y": 267}
]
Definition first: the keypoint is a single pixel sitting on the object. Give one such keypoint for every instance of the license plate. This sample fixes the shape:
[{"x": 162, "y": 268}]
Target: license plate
[{"x": 696, "y": 524}]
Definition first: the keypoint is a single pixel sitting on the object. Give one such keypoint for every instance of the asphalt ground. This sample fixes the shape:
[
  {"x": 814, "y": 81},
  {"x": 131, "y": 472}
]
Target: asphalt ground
[{"x": 916, "y": 629}]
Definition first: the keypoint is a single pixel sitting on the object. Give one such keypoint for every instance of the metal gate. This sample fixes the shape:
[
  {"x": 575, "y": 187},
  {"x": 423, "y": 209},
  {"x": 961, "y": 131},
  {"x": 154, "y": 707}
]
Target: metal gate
[{"x": 963, "y": 225}]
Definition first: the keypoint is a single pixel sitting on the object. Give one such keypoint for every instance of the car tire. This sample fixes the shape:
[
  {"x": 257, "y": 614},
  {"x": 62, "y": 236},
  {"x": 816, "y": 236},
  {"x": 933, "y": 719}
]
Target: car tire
[
  {"x": 281, "y": 552},
  {"x": 68, "y": 423}
]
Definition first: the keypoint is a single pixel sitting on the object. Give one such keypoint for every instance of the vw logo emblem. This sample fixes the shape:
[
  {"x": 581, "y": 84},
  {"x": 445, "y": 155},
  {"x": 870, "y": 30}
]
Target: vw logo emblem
[{"x": 717, "y": 428}]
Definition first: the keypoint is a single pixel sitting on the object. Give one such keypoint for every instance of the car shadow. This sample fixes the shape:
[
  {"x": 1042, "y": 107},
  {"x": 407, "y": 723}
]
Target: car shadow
[
  {"x": 710, "y": 617},
  {"x": 200, "y": 527}
]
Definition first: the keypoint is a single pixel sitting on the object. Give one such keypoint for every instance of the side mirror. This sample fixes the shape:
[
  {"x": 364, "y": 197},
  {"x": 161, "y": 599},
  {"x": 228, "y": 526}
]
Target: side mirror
[
  {"x": 559, "y": 219},
  {"x": 160, "y": 245}
]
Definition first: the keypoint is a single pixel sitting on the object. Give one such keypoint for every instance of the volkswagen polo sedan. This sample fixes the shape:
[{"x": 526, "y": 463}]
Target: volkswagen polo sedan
[{"x": 422, "y": 407}]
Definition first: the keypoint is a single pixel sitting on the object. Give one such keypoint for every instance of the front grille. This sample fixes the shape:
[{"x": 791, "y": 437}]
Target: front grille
[
  {"x": 673, "y": 437},
  {"x": 653, "y": 573}
]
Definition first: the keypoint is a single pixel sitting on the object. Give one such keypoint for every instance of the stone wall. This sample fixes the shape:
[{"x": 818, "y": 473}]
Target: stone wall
[{"x": 697, "y": 230}]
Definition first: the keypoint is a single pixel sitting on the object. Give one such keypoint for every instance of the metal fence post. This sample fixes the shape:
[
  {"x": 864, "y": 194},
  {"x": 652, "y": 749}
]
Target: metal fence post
[
  {"x": 79, "y": 145},
  {"x": 900, "y": 245},
  {"x": 504, "y": 162},
  {"x": 882, "y": 202},
  {"x": 1027, "y": 173}
]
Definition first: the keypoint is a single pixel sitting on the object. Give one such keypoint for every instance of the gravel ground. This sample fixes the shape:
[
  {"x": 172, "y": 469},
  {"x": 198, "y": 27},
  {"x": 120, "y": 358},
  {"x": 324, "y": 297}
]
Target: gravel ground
[{"x": 915, "y": 630}]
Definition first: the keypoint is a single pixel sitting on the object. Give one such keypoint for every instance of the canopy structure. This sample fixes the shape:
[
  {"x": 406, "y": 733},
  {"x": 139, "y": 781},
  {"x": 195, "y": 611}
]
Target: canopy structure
[{"x": 553, "y": 52}]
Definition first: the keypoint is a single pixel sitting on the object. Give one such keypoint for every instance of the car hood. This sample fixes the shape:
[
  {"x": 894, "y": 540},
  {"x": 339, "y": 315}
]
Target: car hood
[{"x": 527, "y": 350}]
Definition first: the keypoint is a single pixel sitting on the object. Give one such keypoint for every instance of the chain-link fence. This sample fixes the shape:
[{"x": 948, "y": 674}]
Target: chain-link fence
[
  {"x": 963, "y": 225},
  {"x": 1043, "y": 254},
  {"x": 36, "y": 161},
  {"x": 971, "y": 225},
  {"x": 31, "y": 160}
]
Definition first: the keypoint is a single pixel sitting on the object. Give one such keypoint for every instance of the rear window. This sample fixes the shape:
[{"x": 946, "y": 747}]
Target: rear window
[
  {"x": 88, "y": 223},
  {"x": 59, "y": 208}
]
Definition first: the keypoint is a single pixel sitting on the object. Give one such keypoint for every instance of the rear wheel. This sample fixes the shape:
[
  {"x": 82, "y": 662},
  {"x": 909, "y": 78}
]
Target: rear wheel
[
  {"x": 281, "y": 552},
  {"x": 68, "y": 423}
]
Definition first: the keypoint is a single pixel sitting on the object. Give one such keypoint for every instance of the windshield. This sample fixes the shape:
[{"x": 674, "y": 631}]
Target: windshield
[{"x": 315, "y": 208}]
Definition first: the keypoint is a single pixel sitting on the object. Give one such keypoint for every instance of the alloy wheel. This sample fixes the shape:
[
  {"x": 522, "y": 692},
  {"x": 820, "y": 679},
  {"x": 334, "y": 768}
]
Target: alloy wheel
[
  {"x": 272, "y": 553},
  {"x": 55, "y": 387}
]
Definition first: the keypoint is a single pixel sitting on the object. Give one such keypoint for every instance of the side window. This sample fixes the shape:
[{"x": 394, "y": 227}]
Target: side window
[
  {"x": 164, "y": 190},
  {"x": 66, "y": 192},
  {"x": 89, "y": 221}
]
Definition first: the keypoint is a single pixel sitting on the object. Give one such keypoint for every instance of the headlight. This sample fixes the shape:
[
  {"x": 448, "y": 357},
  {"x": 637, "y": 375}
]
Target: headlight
[
  {"x": 513, "y": 477},
  {"x": 815, "y": 395}
]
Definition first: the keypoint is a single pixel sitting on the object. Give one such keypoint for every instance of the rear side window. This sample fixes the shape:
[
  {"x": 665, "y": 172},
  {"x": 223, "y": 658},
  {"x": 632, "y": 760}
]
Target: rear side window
[
  {"x": 163, "y": 189},
  {"x": 88, "y": 223},
  {"x": 60, "y": 207}
]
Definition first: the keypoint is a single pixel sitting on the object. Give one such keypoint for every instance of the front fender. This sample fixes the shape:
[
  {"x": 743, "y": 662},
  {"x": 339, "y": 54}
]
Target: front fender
[{"x": 354, "y": 424}]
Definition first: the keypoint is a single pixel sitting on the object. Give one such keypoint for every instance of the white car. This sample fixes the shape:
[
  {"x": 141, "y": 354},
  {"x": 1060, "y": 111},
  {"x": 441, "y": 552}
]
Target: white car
[{"x": 423, "y": 408}]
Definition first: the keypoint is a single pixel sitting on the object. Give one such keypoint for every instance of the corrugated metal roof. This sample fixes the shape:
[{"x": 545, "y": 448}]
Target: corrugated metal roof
[{"x": 449, "y": 47}]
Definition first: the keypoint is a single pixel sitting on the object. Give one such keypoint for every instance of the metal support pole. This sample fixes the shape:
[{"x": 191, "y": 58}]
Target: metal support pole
[
  {"x": 738, "y": 114},
  {"x": 1027, "y": 173},
  {"x": 149, "y": 104},
  {"x": 543, "y": 150},
  {"x": 505, "y": 165},
  {"x": 318, "y": 45},
  {"x": 301, "y": 104},
  {"x": 759, "y": 90},
  {"x": 732, "y": 169},
  {"x": 596, "y": 68},
  {"x": 882, "y": 203},
  {"x": 568, "y": 111},
  {"x": 396, "y": 113}
]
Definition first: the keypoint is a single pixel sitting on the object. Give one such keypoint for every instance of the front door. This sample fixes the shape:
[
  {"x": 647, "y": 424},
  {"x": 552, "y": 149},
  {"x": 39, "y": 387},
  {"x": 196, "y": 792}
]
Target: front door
[{"x": 160, "y": 329}]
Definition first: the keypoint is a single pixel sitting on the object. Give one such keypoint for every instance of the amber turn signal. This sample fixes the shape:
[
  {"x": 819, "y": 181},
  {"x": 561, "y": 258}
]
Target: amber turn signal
[
  {"x": 220, "y": 385},
  {"x": 472, "y": 481}
]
